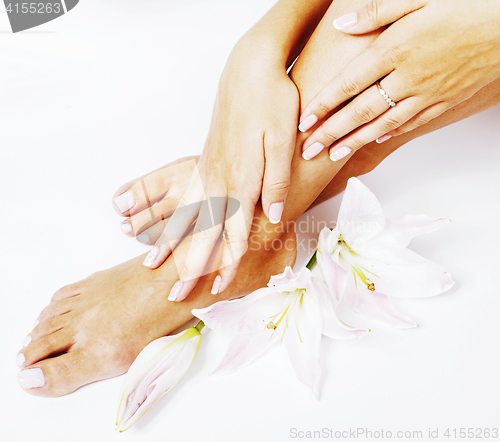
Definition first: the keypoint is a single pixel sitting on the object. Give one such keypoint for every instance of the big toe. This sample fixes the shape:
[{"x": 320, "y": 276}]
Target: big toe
[{"x": 59, "y": 375}]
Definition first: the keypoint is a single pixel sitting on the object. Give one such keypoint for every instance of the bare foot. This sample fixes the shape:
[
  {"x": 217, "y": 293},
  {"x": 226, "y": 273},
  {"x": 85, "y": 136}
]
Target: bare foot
[{"x": 95, "y": 328}]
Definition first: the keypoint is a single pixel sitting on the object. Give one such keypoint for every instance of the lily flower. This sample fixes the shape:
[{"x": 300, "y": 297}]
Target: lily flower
[
  {"x": 365, "y": 257},
  {"x": 295, "y": 310},
  {"x": 155, "y": 371}
]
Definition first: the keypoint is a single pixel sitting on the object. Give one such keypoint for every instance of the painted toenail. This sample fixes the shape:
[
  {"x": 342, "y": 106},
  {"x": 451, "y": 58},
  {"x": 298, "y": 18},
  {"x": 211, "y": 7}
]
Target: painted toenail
[
  {"x": 36, "y": 323},
  {"x": 176, "y": 289},
  {"x": 27, "y": 341},
  {"x": 125, "y": 201},
  {"x": 143, "y": 238},
  {"x": 150, "y": 259},
  {"x": 20, "y": 359},
  {"x": 216, "y": 285},
  {"x": 126, "y": 227},
  {"x": 32, "y": 378}
]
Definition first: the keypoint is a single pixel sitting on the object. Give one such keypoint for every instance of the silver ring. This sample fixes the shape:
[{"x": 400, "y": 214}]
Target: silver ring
[{"x": 385, "y": 96}]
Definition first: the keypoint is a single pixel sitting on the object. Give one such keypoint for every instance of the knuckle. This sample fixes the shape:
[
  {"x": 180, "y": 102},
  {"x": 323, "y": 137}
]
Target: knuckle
[
  {"x": 323, "y": 108},
  {"x": 389, "y": 124},
  {"x": 348, "y": 86},
  {"x": 188, "y": 272},
  {"x": 396, "y": 55},
  {"x": 361, "y": 114},
  {"x": 373, "y": 11},
  {"x": 278, "y": 188},
  {"x": 328, "y": 135}
]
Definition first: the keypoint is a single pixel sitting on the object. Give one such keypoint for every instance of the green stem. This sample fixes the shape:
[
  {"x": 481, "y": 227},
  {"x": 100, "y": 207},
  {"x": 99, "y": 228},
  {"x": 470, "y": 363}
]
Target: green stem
[
  {"x": 199, "y": 326},
  {"x": 312, "y": 261}
]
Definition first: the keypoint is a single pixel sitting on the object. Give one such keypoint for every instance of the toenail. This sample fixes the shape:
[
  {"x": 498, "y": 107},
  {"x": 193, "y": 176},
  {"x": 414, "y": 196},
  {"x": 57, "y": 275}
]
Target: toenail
[
  {"x": 26, "y": 341},
  {"x": 31, "y": 378},
  {"x": 126, "y": 227},
  {"x": 176, "y": 289},
  {"x": 36, "y": 323},
  {"x": 125, "y": 201},
  {"x": 143, "y": 238},
  {"x": 20, "y": 359},
  {"x": 216, "y": 285},
  {"x": 150, "y": 259}
]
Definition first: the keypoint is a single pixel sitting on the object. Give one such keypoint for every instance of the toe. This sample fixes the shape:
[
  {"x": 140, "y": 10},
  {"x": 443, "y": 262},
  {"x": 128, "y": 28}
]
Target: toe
[
  {"x": 60, "y": 375},
  {"x": 50, "y": 325},
  {"x": 69, "y": 290},
  {"x": 58, "y": 307},
  {"x": 139, "y": 194},
  {"x": 46, "y": 346}
]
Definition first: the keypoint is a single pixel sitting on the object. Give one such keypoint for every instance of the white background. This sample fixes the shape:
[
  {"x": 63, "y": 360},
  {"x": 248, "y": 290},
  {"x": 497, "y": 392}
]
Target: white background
[{"x": 116, "y": 88}]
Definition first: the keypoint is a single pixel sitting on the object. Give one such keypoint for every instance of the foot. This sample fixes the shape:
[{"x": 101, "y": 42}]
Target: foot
[
  {"x": 95, "y": 328},
  {"x": 148, "y": 201}
]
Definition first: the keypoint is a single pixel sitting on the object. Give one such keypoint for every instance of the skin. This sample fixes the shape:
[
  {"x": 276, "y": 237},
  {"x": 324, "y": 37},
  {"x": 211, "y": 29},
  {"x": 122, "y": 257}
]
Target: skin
[
  {"x": 96, "y": 327},
  {"x": 435, "y": 55}
]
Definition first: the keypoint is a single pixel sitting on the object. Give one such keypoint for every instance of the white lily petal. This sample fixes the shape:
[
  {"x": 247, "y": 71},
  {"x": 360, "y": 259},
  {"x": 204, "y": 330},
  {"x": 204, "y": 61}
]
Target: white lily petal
[
  {"x": 245, "y": 348},
  {"x": 243, "y": 315},
  {"x": 335, "y": 276},
  {"x": 377, "y": 306},
  {"x": 404, "y": 274},
  {"x": 360, "y": 215},
  {"x": 401, "y": 232},
  {"x": 288, "y": 282},
  {"x": 156, "y": 369},
  {"x": 302, "y": 340}
]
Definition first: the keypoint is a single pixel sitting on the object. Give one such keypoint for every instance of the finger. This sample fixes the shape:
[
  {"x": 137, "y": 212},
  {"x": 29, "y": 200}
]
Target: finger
[
  {"x": 364, "y": 108},
  {"x": 361, "y": 73},
  {"x": 239, "y": 216},
  {"x": 276, "y": 183},
  {"x": 145, "y": 191},
  {"x": 375, "y": 14},
  {"x": 205, "y": 236},
  {"x": 421, "y": 119},
  {"x": 179, "y": 223},
  {"x": 388, "y": 121}
]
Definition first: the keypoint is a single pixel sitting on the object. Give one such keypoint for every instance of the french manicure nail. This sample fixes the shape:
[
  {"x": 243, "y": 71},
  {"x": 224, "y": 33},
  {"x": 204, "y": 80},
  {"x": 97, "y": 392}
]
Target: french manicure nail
[
  {"x": 20, "y": 359},
  {"x": 176, "y": 289},
  {"x": 383, "y": 138},
  {"x": 347, "y": 21},
  {"x": 216, "y": 285},
  {"x": 36, "y": 323},
  {"x": 313, "y": 150},
  {"x": 308, "y": 122},
  {"x": 150, "y": 259},
  {"x": 125, "y": 201},
  {"x": 31, "y": 378},
  {"x": 143, "y": 238},
  {"x": 126, "y": 227},
  {"x": 275, "y": 212},
  {"x": 26, "y": 341},
  {"x": 340, "y": 153}
]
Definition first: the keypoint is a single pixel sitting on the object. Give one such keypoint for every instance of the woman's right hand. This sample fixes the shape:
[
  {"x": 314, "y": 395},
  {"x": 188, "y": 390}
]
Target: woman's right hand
[{"x": 248, "y": 151}]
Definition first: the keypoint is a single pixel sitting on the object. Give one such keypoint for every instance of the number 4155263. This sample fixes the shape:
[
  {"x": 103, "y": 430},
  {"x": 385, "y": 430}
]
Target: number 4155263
[{"x": 34, "y": 8}]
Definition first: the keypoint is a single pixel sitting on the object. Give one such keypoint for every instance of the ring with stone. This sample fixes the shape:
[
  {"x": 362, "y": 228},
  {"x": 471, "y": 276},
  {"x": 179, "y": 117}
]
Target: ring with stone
[{"x": 385, "y": 96}]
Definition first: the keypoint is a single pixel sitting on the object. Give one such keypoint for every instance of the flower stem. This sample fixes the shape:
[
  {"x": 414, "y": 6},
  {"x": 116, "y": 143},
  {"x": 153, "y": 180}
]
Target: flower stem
[
  {"x": 312, "y": 261},
  {"x": 199, "y": 326}
]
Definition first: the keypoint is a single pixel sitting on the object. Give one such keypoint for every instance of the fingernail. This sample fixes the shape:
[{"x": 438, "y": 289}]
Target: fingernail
[
  {"x": 275, "y": 212},
  {"x": 176, "y": 289},
  {"x": 20, "y": 359},
  {"x": 308, "y": 122},
  {"x": 126, "y": 227},
  {"x": 36, "y": 323},
  {"x": 313, "y": 150},
  {"x": 125, "y": 201},
  {"x": 339, "y": 153},
  {"x": 216, "y": 285},
  {"x": 150, "y": 259},
  {"x": 383, "y": 138},
  {"x": 347, "y": 21},
  {"x": 143, "y": 238},
  {"x": 31, "y": 378},
  {"x": 26, "y": 341}
]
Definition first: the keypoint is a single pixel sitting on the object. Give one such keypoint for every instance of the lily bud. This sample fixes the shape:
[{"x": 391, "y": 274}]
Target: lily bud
[{"x": 155, "y": 371}]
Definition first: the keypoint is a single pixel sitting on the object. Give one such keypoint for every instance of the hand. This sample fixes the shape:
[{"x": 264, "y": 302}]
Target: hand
[
  {"x": 435, "y": 54},
  {"x": 248, "y": 150}
]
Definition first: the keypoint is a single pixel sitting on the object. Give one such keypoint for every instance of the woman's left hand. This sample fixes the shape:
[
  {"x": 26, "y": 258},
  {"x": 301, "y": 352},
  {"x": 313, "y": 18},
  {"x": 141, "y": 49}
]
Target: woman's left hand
[{"x": 435, "y": 54}]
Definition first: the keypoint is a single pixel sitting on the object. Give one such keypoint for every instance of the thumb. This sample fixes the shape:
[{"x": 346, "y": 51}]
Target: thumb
[{"x": 375, "y": 14}]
